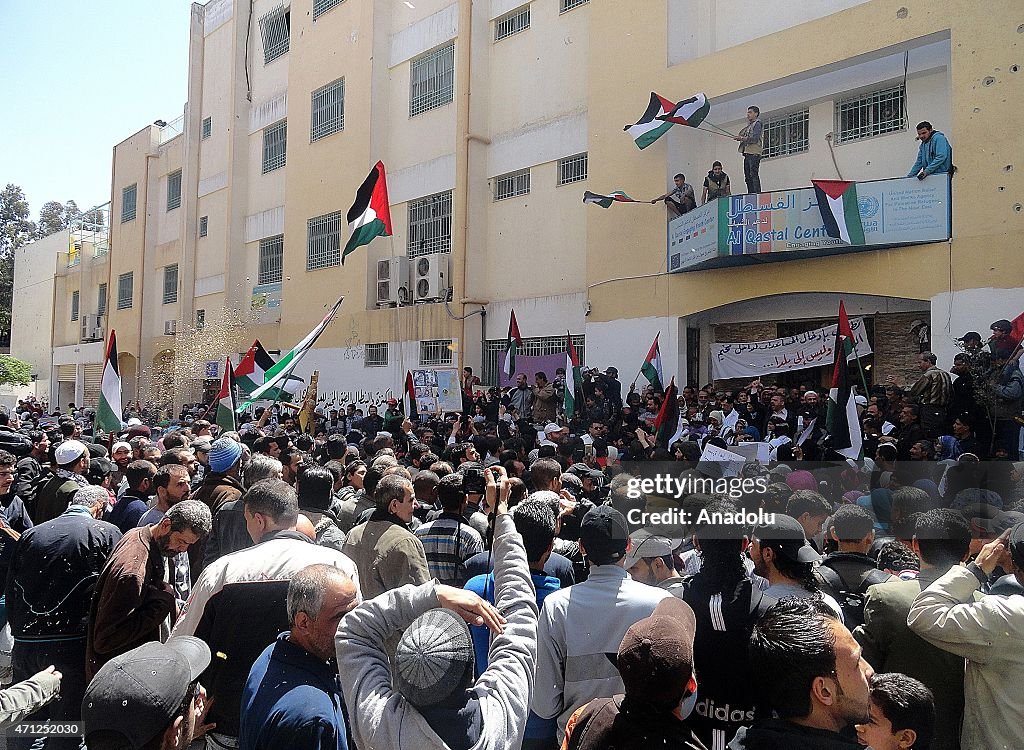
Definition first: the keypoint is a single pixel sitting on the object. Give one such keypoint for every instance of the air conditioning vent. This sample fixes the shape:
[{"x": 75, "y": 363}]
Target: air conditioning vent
[
  {"x": 92, "y": 328},
  {"x": 431, "y": 277},
  {"x": 393, "y": 282}
]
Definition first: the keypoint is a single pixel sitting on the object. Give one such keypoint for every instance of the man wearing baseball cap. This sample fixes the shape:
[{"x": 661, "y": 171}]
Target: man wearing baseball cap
[
  {"x": 148, "y": 698},
  {"x": 580, "y": 625},
  {"x": 988, "y": 632},
  {"x": 650, "y": 560}
]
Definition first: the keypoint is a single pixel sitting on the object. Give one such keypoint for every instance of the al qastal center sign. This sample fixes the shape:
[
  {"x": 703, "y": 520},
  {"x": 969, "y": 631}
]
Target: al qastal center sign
[{"x": 786, "y": 224}]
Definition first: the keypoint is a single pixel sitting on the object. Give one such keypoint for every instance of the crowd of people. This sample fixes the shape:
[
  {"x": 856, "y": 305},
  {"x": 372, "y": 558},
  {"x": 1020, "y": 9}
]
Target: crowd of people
[{"x": 494, "y": 579}]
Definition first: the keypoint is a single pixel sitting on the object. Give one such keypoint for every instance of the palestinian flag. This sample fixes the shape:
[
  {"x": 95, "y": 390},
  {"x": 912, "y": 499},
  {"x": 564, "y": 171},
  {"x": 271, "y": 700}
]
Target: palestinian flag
[
  {"x": 251, "y": 372},
  {"x": 648, "y": 128},
  {"x": 226, "y": 405},
  {"x": 409, "y": 397},
  {"x": 667, "y": 421},
  {"x": 573, "y": 378},
  {"x": 690, "y": 112},
  {"x": 605, "y": 201},
  {"x": 284, "y": 366},
  {"x": 837, "y": 201},
  {"x": 841, "y": 421},
  {"x": 1017, "y": 330},
  {"x": 108, "y": 412},
  {"x": 515, "y": 343},
  {"x": 651, "y": 368},
  {"x": 370, "y": 215}
]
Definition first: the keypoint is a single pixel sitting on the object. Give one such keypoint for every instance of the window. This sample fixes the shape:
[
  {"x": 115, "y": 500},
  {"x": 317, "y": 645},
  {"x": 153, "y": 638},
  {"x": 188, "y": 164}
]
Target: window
[
  {"x": 174, "y": 190},
  {"x": 512, "y": 184},
  {"x": 322, "y": 6},
  {"x": 207, "y": 128},
  {"x": 786, "y": 134},
  {"x": 275, "y": 28},
  {"x": 327, "y": 110},
  {"x": 572, "y": 169},
  {"x": 433, "y": 353},
  {"x": 873, "y": 113},
  {"x": 125, "y": 288},
  {"x": 323, "y": 243},
  {"x": 75, "y": 296},
  {"x": 375, "y": 355},
  {"x": 275, "y": 146},
  {"x": 200, "y": 319},
  {"x": 533, "y": 347},
  {"x": 432, "y": 80},
  {"x": 204, "y": 226},
  {"x": 101, "y": 300},
  {"x": 171, "y": 284},
  {"x": 128, "y": 195},
  {"x": 271, "y": 260},
  {"x": 512, "y": 23},
  {"x": 567, "y": 5},
  {"x": 430, "y": 225}
]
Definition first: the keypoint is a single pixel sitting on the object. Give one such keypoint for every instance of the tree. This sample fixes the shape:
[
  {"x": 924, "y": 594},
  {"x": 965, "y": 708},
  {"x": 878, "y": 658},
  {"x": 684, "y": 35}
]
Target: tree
[
  {"x": 14, "y": 371},
  {"x": 54, "y": 216},
  {"x": 15, "y": 230}
]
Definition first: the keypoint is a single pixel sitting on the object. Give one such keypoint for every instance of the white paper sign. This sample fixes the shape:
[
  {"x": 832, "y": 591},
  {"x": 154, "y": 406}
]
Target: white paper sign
[{"x": 731, "y": 463}]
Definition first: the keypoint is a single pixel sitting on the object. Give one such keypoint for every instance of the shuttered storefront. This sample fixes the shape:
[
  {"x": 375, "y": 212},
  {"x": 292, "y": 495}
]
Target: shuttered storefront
[{"x": 93, "y": 380}]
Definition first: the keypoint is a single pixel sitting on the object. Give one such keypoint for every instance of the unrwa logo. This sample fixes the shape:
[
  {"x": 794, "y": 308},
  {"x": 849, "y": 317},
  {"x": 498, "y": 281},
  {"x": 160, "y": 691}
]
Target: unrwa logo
[{"x": 868, "y": 206}]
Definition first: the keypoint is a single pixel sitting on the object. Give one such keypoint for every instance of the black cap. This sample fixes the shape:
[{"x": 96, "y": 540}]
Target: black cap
[
  {"x": 970, "y": 336},
  {"x": 785, "y": 534},
  {"x": 1002, "y": 325},
  {"x": 604, "y": 535}
]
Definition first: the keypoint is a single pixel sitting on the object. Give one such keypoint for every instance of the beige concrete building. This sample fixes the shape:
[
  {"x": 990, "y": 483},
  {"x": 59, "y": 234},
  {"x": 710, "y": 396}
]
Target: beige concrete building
[{"x": 492, "y": 118}]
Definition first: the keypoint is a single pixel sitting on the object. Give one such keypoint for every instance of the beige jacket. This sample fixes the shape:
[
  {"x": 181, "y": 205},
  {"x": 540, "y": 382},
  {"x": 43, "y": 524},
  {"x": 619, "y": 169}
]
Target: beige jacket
[{"x": 27, "y": 697}]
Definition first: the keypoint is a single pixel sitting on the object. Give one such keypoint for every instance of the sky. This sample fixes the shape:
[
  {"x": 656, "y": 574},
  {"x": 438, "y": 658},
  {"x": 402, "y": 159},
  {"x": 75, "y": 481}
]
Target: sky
[{"x": 79, "y": 78}]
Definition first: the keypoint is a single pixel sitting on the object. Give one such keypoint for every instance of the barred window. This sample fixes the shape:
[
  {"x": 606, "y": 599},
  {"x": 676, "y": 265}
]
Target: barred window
[
  {"x": 567, "y": 5},
  {"x": 512, "y": 23},
  {"x": 435, "y": 353},
  {"x": 432, "y": 80},
  {"x": 128, "y": 197},
  {"x": 101, "y": 300},
  {"x": 572, "y": 169},
  {"x": 200, "y": 319},
  {"x": 174, "y": 190},
  {"x": 275, "y": 146},
  {"x": 323, "y": 245},
  {"x": 271, "y": 269},
  {"x": 275, "y": 28},
  {"x": 532, "y": 347},
  {"x": 512, "y": 184},
  {"x": 171, "y": 284},
  {"x": 322, "y": 6},
  {"x": 327, "y": 110},
  {"x": 204, "y": 226},
  {"x": 75, "y": 297},
  {"x": 375, "y": 355},
  {"x": 786, "y": 134},
  {"x": 872, "y": 113},
  {"x": 207, "y": 128},
  {"x": 125, "y": 290},
  {"x": 430, "y": 225}
]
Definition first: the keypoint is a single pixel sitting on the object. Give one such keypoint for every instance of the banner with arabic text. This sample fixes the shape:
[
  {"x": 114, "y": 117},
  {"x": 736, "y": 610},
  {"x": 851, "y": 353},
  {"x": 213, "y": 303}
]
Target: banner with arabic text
[{"x": 810, "y": 349}]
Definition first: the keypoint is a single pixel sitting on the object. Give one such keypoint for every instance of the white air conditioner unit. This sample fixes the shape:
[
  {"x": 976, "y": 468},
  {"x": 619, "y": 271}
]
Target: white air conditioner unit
[
  {"x": 393, "y": 282},
  {"x": 170, "y": 327},
  {"x": 430, "y": 277},
  {"x": 92, "y": 328}
]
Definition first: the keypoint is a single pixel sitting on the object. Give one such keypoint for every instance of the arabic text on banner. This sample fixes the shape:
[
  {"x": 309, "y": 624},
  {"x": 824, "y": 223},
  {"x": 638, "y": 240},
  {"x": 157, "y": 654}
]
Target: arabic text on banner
[{"x": 810, "y": 349}]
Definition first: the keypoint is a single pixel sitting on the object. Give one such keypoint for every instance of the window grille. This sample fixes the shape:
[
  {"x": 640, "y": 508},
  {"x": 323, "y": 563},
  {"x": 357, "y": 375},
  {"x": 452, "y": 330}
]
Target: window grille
[
  {"x": 128, "y": 196},
  {"x": 432, "y": 80},
  {"x": 207, "y": 127},
  {"x": 786, "y": 134},
  {"x": 101, "y": 300},
  {"x": 75, "y": 297},
  {"x": 200, "y": 319},
  {"x": 271, "y": 260},
  {"x": 125, "y": 288},
  {"x": 327, "y": 110},
  {"x": 512, "y": 184},
  {"x": 322, "y": 6},
  {"x": 375, "y": 355},
  {"x": 275, "y": 146},
  {"x": 323, "y": 245},
  {"x": 567, "y": 5},
  {"x": 171, "y": 284},
  {"x": 430, "y": 225},
  {"x": 204, "y": 226},
  {"x": 572, "y": 169},
  {"x": 512, "y": 23},
  {"x": 174, "y": 190},
  {"x": 436, "y": 353},
  {"x": 532, "y": 347},
  {"x": 275, "y": 28},
  {"x": 869, "y": 114}
]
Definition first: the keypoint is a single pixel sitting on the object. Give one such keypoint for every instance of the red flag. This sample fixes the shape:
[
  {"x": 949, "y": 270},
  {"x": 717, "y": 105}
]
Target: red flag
[{"x": 1017, "y": 332}]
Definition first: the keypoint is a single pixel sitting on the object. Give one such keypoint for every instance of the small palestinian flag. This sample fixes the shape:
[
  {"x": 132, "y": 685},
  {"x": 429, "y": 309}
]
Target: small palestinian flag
[
  {"x": 409, "y": 397},
  {"x": 226, "y": 405},
  {"x": 370, "y": 215},
  {"x": 649, "y": 128},
  {"x": 251, "y": 371},
  {"x": 837, "y": 201},
  {"x": 841, "y": 421},
  {"x": 690, "y": 112},
  {"x": 667, "y": 421},
  {"x": 573, "y": 378},
  {"x": 651, "y": 368},
  {"x": 605, "y": 201},
  {"x": 515, "y": 343}
]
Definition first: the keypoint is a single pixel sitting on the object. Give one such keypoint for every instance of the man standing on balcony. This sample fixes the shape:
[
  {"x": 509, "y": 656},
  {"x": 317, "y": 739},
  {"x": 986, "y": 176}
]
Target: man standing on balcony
[
  {"x": 750, "y": 146},
  {"x": 934, "y": 155}
]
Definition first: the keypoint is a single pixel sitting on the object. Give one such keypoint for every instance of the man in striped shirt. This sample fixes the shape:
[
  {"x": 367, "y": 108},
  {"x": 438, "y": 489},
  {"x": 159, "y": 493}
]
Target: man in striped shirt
[{"x": 449, "y": 540}]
